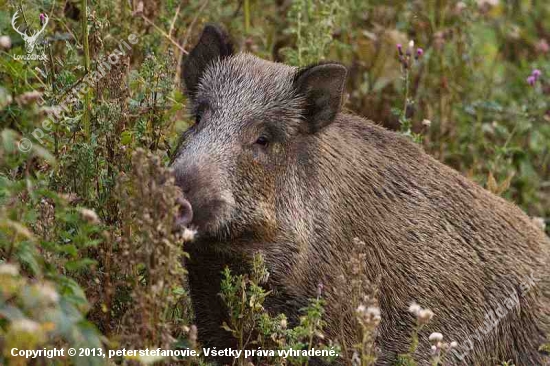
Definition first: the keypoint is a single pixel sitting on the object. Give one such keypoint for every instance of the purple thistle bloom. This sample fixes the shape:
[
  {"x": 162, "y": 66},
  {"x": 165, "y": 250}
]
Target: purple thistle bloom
[
  {"x": 536, "y": 73},
  {"x": 531, "y": 80},
  {"x": 419, "y": 52},
  {"x": 400, "y": 48}
]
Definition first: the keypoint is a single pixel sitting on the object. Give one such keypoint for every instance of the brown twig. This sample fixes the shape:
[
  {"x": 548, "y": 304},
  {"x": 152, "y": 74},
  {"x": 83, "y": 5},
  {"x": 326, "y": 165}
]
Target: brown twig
[
  {"x": 174, "y": 21},
  {"x": 164, "y": 33}
]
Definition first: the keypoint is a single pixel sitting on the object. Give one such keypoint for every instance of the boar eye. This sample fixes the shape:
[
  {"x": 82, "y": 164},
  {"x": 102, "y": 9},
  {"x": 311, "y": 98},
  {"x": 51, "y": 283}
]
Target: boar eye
[
  {"x": 262, "y": 141},
  {"x": 198, "y": 116}
]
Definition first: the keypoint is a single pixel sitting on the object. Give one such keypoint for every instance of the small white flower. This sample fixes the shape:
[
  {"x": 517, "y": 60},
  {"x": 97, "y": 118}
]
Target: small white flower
[
  {"x": 426, "y": 123},
  {"x": 414, "y": 308},
  {"x": 425, "y": 315},
  {"x": 411, "y": 44},
  {"x": 373, "y": 311},
  {"x": 189, "y": 234},
  {"x": 435, "y": 337}
]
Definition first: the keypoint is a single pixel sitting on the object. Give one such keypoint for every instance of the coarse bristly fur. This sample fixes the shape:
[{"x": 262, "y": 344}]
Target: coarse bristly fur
[{"x": 325, "y": 177}]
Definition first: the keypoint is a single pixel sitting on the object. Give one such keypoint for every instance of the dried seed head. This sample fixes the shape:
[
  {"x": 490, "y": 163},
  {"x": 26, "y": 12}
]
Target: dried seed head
[
  {"x": 435, "y": 337},
  {"x": 414, "y": 308},
  {"x": 424, "y": 316}
]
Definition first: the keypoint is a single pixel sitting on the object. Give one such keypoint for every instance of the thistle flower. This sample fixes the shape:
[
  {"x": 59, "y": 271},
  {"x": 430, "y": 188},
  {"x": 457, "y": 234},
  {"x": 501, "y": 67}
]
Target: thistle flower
[
  {"x": 435, "y": 337},
  {"x": 42, "y": 18},
  {"x": 374, "y": 312},
  {"x": 414, "y": 308},
  {"x": 370, "y": 314},
  {"x": 405, "y": 58},
  {"x": 424, "y": 316},
  {"x": 535, "y": 75},
  {"x": 400, "y": 48}
]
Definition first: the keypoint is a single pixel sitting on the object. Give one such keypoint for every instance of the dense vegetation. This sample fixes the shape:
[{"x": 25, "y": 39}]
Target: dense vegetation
[{"x": 88, "y": 256}]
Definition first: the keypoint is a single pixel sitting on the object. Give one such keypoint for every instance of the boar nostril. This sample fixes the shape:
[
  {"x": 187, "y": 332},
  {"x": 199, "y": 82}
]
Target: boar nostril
[{"x": 185, "y": 212}]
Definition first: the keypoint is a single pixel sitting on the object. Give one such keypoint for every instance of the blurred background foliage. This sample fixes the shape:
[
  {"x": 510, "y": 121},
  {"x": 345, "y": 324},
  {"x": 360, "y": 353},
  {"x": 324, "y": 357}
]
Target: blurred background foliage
[{"x": 73, "y": 213}]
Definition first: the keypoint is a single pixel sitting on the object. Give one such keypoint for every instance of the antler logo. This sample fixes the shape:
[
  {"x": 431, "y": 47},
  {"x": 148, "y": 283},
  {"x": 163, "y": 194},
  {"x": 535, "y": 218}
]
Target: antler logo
[{"x": 30, "y": 41}]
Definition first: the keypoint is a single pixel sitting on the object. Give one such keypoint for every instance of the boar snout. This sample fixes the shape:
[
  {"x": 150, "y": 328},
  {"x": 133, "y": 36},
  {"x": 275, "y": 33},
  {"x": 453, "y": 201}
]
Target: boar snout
[{"x": 206, "y": 192}]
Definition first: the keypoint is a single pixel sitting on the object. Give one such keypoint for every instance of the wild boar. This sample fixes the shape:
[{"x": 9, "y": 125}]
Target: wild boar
[{"x": 273, "y": 165}]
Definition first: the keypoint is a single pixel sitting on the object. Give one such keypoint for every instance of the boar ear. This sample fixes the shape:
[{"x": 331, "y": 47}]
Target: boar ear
[
  {"x": 213, "y": 44},
  {"x": 322, "y": 86}
]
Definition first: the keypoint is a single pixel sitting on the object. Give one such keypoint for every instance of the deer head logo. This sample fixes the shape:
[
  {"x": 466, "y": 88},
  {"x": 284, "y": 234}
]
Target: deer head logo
[{"x": 30, "y": 41}]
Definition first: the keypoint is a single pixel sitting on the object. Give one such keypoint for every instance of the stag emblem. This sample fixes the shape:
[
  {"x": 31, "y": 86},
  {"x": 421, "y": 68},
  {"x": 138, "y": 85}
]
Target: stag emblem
[{"x": 30, "y": 41}]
